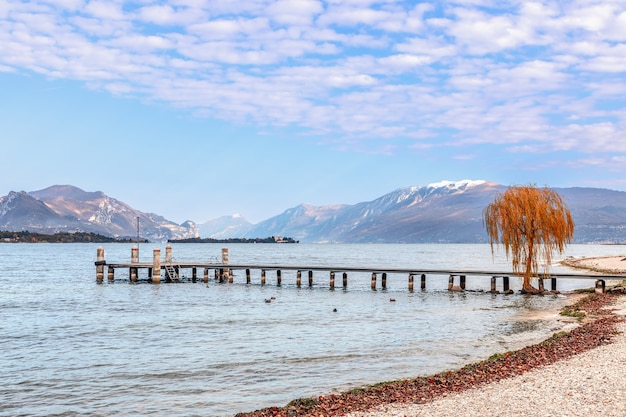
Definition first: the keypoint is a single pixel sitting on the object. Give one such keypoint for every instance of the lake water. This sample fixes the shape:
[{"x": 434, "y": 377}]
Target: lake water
[{"x": 69, "y": 346}]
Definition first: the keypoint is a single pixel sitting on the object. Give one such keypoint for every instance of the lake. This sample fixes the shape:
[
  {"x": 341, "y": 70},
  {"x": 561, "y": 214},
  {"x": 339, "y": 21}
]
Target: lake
[{"x": 71, "y": 346}]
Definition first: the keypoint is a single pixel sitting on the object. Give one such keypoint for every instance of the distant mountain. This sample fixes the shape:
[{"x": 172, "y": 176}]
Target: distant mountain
[
  {"x": 225, "y": 227},
  {"x": 444, "y": 212},
  {"x": 65, "y": 208}
]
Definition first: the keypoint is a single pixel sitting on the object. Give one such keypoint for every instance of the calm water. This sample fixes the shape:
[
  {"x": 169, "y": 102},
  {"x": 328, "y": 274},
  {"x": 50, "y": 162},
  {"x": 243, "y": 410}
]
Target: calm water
[{"x": 72, "y": 347}]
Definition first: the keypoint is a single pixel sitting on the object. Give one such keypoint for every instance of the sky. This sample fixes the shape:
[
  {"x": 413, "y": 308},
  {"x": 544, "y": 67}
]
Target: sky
[{"x": 197, "y": 109}]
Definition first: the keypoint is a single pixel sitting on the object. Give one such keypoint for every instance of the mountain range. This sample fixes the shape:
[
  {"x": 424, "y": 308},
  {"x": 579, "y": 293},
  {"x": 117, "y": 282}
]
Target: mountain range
[
  {"x": 444, "y": 212},
  {"x": 64, "y": 208}
]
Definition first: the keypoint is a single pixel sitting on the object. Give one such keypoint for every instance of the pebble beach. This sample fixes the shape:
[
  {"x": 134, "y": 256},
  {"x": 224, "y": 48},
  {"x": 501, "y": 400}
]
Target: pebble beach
[
  {"x": 591, "y": 383},
  {"x": 578, "y": 373}
]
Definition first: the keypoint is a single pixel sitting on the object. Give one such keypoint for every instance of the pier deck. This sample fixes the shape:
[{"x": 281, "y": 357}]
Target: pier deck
[{"x": 223, "y": 272}]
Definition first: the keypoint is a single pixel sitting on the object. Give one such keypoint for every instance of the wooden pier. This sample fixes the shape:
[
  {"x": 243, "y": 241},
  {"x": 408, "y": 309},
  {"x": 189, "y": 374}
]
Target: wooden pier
[{"x": 170, "y": 271}]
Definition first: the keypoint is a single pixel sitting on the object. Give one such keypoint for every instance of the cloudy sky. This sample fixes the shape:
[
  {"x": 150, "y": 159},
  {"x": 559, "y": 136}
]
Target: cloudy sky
[{"x": 194, "y": 109}]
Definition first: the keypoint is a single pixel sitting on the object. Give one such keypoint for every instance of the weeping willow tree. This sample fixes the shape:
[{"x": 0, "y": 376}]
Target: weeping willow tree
[{"x": 531, "y": 223}]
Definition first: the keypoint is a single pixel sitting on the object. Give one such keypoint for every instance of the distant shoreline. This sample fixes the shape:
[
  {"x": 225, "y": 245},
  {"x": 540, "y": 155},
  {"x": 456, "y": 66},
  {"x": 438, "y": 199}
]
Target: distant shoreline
[
  {"x": 61, "y": 237},
  {"x": 273, "y": 239}
]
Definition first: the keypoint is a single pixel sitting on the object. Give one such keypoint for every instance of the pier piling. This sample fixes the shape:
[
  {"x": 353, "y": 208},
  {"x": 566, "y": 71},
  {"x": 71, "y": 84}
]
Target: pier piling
[
  {"x": 600, "y": 286},
  {"x": 111, "y": 273},
  {"x": 505, "y": 285},
  {"x": 100, "y": 264},
  {"x": 156, "y": 266},
  {"x": 133, "y": 271}
]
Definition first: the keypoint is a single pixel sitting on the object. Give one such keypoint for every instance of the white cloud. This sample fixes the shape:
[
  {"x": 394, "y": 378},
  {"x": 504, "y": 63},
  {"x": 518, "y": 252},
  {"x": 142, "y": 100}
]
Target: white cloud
[
  {"x": 530, "y": 76},
  {"x": 295, "y": 12},
  {"x": 101, "y": 9}
]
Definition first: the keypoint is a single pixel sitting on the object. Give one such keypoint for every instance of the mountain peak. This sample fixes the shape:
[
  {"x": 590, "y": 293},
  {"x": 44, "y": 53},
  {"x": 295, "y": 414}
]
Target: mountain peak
[
  {"x": 67, "y": 192},
  {"x": 456, "y": 185}
]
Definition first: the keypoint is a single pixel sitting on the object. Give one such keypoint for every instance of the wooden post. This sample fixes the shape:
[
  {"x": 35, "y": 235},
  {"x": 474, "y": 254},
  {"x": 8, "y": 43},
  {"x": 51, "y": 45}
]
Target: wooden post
[
  {"x": 262, "y": 276},
  {"x": 134, "y": 258},
  {"x": 374, "y": 281},
  {"x": 310, "y": 278},
  {"x": 384, "y": 281},
  {"x": 493, "y": 285},
  {"x": 600, "y": 286},
  {"x": 299, "y": 278},
  {"x": 345, "y": 280},
  {"x": 168, "y": 254},
  {"x": 411, "y": 279},
  {"x": 216, "y": 274},
  {"x": 553, "y": 284},
  {"x": 156, "y": 266},
  {"x": 505, "y": 285},
  {"x": 100, "y": 264},
  {"x": 462, "y": 280},
  {"x": 332, "y": 280},
  {"x": 110, "y": 274},
  {"x": 194, "y": 274},
  {"x": 206, "y": 275},
  {"x": 423, "y": 283},
  {"x": 247, "y": 276},
  {"x": 450, "y": 282},
  {"x": 279, "y": 278},
  {"x": 225, "y": 262}
]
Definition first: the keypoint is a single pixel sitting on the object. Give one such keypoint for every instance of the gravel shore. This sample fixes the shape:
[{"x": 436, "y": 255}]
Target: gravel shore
[{"x": 592, "y": 383}]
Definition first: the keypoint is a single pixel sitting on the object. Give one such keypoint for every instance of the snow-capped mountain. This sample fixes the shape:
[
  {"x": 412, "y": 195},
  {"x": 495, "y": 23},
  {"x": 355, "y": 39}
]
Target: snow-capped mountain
[
  {"x": 445, "y": 212},
  {"x": 412, "y": 214},
  {"x": 64, "y": 208}
]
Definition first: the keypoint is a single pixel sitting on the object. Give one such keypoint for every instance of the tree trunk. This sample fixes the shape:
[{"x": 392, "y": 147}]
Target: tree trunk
[{"x": 527, "y": 286}]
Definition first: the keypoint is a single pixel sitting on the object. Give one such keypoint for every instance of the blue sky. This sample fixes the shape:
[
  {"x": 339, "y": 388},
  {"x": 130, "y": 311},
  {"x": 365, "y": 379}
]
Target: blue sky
[{"x": 195, "y": 109}]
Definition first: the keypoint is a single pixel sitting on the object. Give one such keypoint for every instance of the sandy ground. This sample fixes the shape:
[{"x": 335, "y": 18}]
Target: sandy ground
[{"x": 606, "y": 264}]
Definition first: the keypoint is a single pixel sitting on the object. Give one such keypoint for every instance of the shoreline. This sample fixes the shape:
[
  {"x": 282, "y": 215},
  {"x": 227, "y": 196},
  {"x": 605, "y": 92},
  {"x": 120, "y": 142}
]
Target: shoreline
[
  {"x": 613, "y": 265},
  {"x": 602, "y": 328}
]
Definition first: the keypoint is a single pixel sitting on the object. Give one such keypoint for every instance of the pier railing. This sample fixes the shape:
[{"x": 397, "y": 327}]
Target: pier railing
[{"x": 223, "y": 272}]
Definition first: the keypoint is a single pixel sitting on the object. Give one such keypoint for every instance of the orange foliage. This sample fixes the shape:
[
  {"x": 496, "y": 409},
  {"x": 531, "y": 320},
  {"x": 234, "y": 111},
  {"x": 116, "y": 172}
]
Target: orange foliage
[{"x": 530, "y": 223}]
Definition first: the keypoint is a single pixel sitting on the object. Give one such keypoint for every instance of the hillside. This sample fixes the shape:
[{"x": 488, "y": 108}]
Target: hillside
[{"x": 444, "y": 212}]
